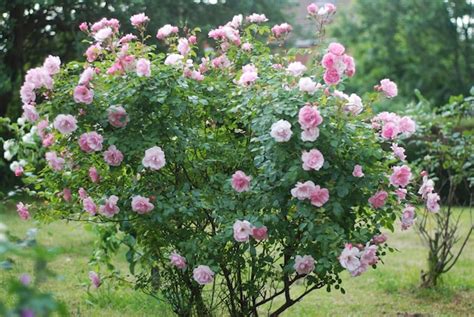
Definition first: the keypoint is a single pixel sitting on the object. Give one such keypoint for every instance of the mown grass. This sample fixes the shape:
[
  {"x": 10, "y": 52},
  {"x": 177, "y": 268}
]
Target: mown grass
[{"x": 391, "y": 290}]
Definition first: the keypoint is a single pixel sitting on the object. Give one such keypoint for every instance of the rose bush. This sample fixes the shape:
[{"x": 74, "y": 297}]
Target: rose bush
[{"x": 228, "y": 177}]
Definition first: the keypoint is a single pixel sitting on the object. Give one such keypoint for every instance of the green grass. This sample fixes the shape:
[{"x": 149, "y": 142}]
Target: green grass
[{"x": 390, "y": 290}]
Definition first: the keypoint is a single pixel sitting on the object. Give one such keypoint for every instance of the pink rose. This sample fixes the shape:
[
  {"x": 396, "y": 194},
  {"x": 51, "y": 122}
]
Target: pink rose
[
  {"x": 82, "y": 94},
  {"x": 138, "y": 20},
  {"x": 39, "y": 77},
  {"x": 177, "y": 260},
  {"x": 174, "y": 59},
  {"x": 307, "y": 85},
  {"x": 401, "y": 176},
  {"x": 242, "y": 230},
  {"x": 390, "y": 130},
  {"x": 398, "y": 151},
  {"x": 336, "y": 49},
  {"x": 19, "y": 171},
  {"x": 55, "y": 162},
  {"x": 379, "y": 239},
  {"x": 312, "y": 160},
  {"x": 83, "y": 27},
  {"x": 401, "y": 193},
  {"x": 27, "y": 93},
  {"x": 309, "y": 135},
  {"x": 408, "y": 217},
  {"x": 112, "y": 156},
  {"x": 23, "y": 211},
  {"x": 247, "y": 47},
  {"x": 183, "y": 46},
  {"x": 154, "y": 158},
  {"x": 309, "y": 117},
  {"x": 95, "y": 279},
  {"x": 304, "y": 264},
  {"x": 91, "y": 142},
  {"x": 143, "y": 67},
  {"x": 319, "y": 196},
  {"x": 331, "y": 76},
  {"x": 281, "y": 30},
  {"x": 67, "y": 194},
  {"x": 86, "y": 76},
  {"x": 117, "y": 116},
  {"x": 65, "y": 124},
  {"x": 30, "y": 113},
  {"x": 406, "y": 125},
  {"x": 388, "y": 87},
  {"x": 89, "y": 206},
  {"x": 296, "y": 68},
  {"x": 52, "y": 65},
  {"x": 203, "y": 275},
  {"x": 369, "y": 255},
  {"x": 357, "y": 172},
  {"x": 432, "y": 202},
  {"x": 166, "y": 31},
  {"x": 312, "y": 9},
  {"x": 82, "y": 193},
  {"x": 349, "y": 258},
  {"x": 48, "y": 140},
  {"x": 141, "y": 205},
  {"x": 303, "y": 191},
  {"x": 94, "y": 175},
  {"x": 192, "y": 40},
  {"x": 281, "y": 131},
  {"x": 93, "y": 52},
  {"x": 260, "y": 233},
  {"x": 256, "y": 18},
  {"x": 378, "y": 199},
  {"x": 110, "y": 208},
  {"x": 427, "y": 187},
  {"x": 240, "y": 182}
]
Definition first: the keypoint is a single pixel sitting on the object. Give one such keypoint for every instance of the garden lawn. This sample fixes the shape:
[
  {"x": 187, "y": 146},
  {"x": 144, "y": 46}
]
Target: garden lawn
[{"x": 390, "y": 290}]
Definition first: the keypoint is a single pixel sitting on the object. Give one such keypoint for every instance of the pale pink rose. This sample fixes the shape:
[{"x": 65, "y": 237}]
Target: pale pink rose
[
  {"x": 19, "y": 171},
  {"x": 203, "y": 275},
  {"x": 23, "y": 211},
  {"x": 378, "y": 199},
  {"x": 117, "y": 116},
  {"x": 312, "y": 160},
  {"x": 354, "y": 105},
  {"x": 388, "y": 87},
  {"x": 91, "y": 142},
  {"x": 192, "y": 40},
  {"x": 183, "y": 46},
  {"x": 27, "y": 93},
  {"x": 309, "y": 117},
  {"x": 296, "y": 68},
  {"x": 127, "y": 39},
  {"x": 143, "y": 67},
  {"x": 319, "y": 196},
  {"x": 398, "y": 151},
  {"x": 110, "y": 208},
  {"x": 82, "y": 193},
  {"x": 304, "y": 264},
  {"x": 67, "y": 196},
  {"x": 236, "y": 21},
  {"x": 247, "y": 47},
  {"x": 247, "y": 78},
  {"x": 94, "y": 175},
  {"x": 177, "y": 260},
  {"x": 242, "y": 230},
  {"x": 401, "y": 193},
  {"x": 221, "y": 62},
  {"x": 82, "y": 94},
  {"x": 328, "y": 61},
  {"x": 408, "y": 217},
  {"x": 84, "y": 27},
  {"x": 166, "y": 31},
  {"x": 86, "y": 76},
  {"x": 30, "y": 113},
  {"x": 39, "y": 77},
  {"x": 407, "y": 126},
  {"x": 390, "y": 130},
  {"x": 41, "y": 127},
  {"x": 401, "y": 176},
  {"x": 369, "y": 255},
  {"x": 256, "y": 18},
  {"x": 331, "y": 76},
  {"x": 103, "y": 34},
  {"x": 260, "y": 233},
  {"x": 349, "y": 258},
  {"x": 52, "y": 64},
  {"x": 329, "y": 8},
  {"x": 65, "y": 123},
  {"x": 307, "y": 85},
  {"x": 281, "y": 131},
  {"x": 240, "y": 182},
  {"x": 312, "y": 9},
  {"x": 196, "y": 75},
  {"x": 336, "y": 49},
  {"x": 349, "y": 65},
  {"x": 432, "y": 202},
  {"x": 154, "y": 158},
  {"x": 427, "y": 187},
  {"x": 141, "y": 205},
  {"x": 303, "y": 191},
  {"x": 95, "y": 279},
  {"x": 357, "y": 172},
  {"x": 55, "y": 162},
  {"x": 379, "y": 239},
  {"x": 48, "y": 140},
  {"x": 174, "y": 59},
  {"x": 113, "y": 156},
  {"x": 281, "y": 30},
  {"x": 138, "y": 20},
  {"x": 310, "y": 135},
  {"x": 93, "y": 52}
]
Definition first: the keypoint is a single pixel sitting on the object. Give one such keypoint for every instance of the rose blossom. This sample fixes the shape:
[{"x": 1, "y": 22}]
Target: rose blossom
[
  {"x": 407, "y": 126},
  {"x": 426, "y": 188},
  {"x": 310, "y": 135},
  {"x": 432, "y": 202},
  {"x": 242, "y": 230},
  {"x": 336, "y": 49},
  {"x": 240, "y": 182},
  {"x": 117, "y": 116},
  {"x": 357, "y": 172},
  {"x": 39, "y": 77},
  {"x": 23, "y": 211},
  {"x": 401, "y": 176},
  {"x": 93, "y": 52},
  {"x": 86, "y": 76},
  {"x": 30, "y": 113},
  {"x": 141, "y": 205},
  {"x": 354, "y": 105},
  {"x": 183, "y": 46},
  {"x": 48, "y": 140},
  {"x": 408, "y": 217},
  {"x": 256, "y": 18},
  {"x": 55, "y": 162},
  {"x": 65, "y": 123},
  {"x": 378, "y": 199},
  {"x": 388, "y": 87},
  {"x": 282, "y": 29},
  {"x": 319, "y": 196},
  {"x": 304, "y": 264},
  {"x": 91, "y": 142},
  {"x": 166, "y": 31},
  {"x": 390, "y": 130},
  {"x": 309, "y": 117},
  {"x": 203, "y": 275},
  {"x": 312, "y": 9},
  {"x": 94, "y": 175},
  {"x": 312, "y": 160},
  {"x": 95, "y": 279},
  {"x": 349, "y": 258},
  {"x": 82, "y": 193},
  {"x": 143, "y": 67},
  {"x": 110, "y": 208},
  {"x": 247, "y": 47},
  {"x": 177, "y": 260},
  {"x": 398, "y": 151},
  {"x": 138, "y": 20},
  {"x": 401, "y": 193},
  {"x": 52, "y": 64},
  {"x": 260, "y": 233},
  {"x": 67, "y": 194},
  {"x": 112, "y": 156},
  {"x": 281, "y": 131},
  {"x": 82, "y": 94},
  {"x": 83, "y": 27},
  {"x": 303, "y": 191},
  {"x": 154, "y": 158},
  {"x": 27, "y": 93},
  {"x": 369, "y": 255},
  {"x": 103, "y": 34},
  {"x": 307, "y": 85},
  {"x": 174, "y": 59},
  {"x": 296, "y": 68},
  {"x": 379, "y": 239},
  {"x": 89, "y": 206}
]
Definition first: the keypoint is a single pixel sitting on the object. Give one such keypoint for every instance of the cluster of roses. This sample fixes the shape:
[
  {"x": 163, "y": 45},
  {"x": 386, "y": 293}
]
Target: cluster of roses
[
  {"x": 357, "y": 259},
  {"x": 391, "y": 125}
]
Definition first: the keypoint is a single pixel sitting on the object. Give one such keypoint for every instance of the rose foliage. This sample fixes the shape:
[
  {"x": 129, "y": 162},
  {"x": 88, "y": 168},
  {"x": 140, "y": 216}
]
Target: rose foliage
[{"x": 228, "y": 177}]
